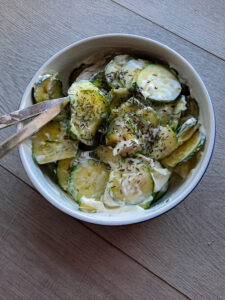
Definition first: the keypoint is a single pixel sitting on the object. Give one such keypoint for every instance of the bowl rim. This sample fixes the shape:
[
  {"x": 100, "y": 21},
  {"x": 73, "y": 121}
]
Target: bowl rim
[{"x": 132, "y": 220}]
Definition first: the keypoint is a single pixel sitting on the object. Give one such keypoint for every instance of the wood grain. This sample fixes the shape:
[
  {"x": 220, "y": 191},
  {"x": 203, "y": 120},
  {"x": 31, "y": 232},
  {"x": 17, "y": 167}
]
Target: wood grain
[
  {"x": 200, "y": 22},
  {"x": 46, "y": 254},
  {"x": 174, "y": 246},
  {"x": 185, "y": 247}
]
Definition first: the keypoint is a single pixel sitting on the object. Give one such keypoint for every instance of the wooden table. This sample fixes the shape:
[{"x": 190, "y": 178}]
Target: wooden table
[{"x": 45, "y": 254}]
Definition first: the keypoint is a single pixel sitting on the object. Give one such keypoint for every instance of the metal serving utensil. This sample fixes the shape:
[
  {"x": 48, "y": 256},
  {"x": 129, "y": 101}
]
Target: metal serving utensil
[{"x": 47, "y": 109}]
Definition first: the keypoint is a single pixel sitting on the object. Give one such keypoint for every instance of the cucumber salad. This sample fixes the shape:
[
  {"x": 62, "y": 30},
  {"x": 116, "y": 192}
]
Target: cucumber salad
[{"x": 129, "y": 127}]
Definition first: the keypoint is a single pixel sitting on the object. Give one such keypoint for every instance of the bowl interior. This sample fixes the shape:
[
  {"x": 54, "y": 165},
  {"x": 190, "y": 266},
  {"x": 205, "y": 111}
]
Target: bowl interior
[{"x": 64, "y": 62}]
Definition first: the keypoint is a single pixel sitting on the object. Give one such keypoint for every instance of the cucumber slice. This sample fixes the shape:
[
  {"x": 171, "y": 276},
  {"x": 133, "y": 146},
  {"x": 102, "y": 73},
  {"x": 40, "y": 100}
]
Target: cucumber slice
[
  {"x": 185, "y": 151},
  {"x": 131, "y": 183},
  {"x": 160, "y": 175},
  {"x": 87, "y": 206},
  {"x": 149, "y": 114},
  {"x": 81, "y": 85},
  {"x": 105, "y": 154},
  {"x": 112, "y": 70},
  {"x": 63, "y": 172},
  {"x": 99, "y": 80},
  {"x": 47, "y": 87},
  {"x": 158, "y": 83},
  {"x": 144, "y": 131},
  {"x": 88, "y": 109},
  {"x": 161, "y": 193},
  {"x": 170, "y": 113},
  {"x": 73, "y": 136},
  {"x": 76, "y": 72},
  {"x": 92, "y": 68},
  {"x": 147, "y": 203},
  {"x": 180, "y": 107},
  {"x": 129, "y": 72},
  {"x": 129, "y": 133},
  {"x": 120, "y": 129},
  {"x": 192, "y": 107},
  {"x": 166, "y": 142},
  {"x": 131, "y": 105},
  {"x": 184, "y": 169},
  {"x": 118, "y": 96},
  {"x": 109, "y": 202},
  {"x": 187, "y": 130},
  {"x": 155, "y": 197},
  {"x": 164, "y": 111},
  {"x": 63, "y": 116},
  {"x": 88, "y": 179},
  {"x": 51, "y": 143},
  {"x": 127, "y": 148}
]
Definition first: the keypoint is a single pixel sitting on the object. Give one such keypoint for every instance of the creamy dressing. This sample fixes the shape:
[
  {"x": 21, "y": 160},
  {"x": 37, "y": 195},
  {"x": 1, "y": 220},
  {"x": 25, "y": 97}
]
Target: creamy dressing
[
  {"x": 126, "y": 147},
  {"x": 126, "y": 186},
  {"x": 107, "y": 205},
  {"x": 160, "y": 176},
  {"x": 101, "y": 208},
  {"x": 47, "y": 135}
]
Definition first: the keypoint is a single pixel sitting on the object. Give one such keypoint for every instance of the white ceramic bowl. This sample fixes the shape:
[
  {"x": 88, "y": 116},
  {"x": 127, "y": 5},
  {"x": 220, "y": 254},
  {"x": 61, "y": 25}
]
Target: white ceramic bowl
[{"x": 64, "y": 62}]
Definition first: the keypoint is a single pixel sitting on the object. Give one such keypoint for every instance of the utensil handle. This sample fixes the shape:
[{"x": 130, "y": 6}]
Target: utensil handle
[
  {"x": 31, "y": 128},
  {"x": 28, "y": 112}
]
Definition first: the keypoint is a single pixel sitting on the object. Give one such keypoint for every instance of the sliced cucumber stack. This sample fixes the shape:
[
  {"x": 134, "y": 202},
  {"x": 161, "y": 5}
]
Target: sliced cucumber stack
[
  {"x": 130, "y": 70},
  {"x": 158, "y": 83},
  {"x": 88, "y": 179},
  {"x": 88, "y": 109},
  {"x": 112, "y": 70},
  {"x": 131, "y": 183},
  {"x": 51, "y": 143},
  {"x": 185, "y": 151}
]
